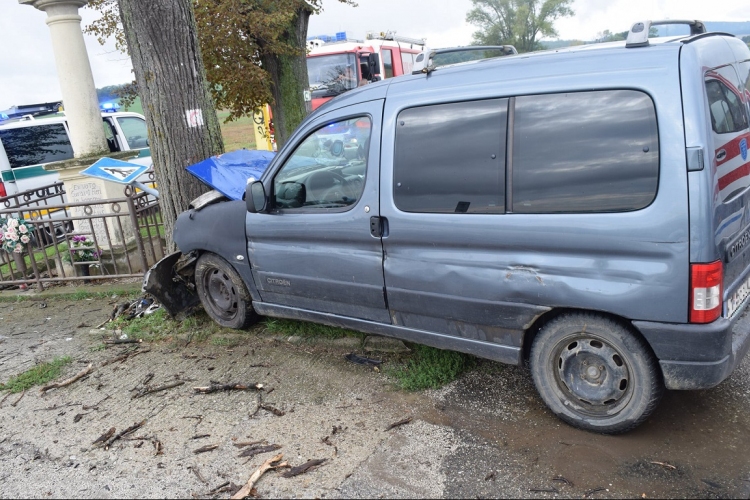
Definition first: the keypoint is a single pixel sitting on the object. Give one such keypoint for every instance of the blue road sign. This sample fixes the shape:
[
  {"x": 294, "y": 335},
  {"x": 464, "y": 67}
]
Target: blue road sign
[{"x": 118, "y": 171}]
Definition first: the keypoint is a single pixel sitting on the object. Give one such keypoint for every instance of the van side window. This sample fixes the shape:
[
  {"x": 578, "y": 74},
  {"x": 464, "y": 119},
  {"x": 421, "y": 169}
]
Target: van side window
[
  {"x": 585, "y": 152},
  {"x": 744, "y": 68},
  {"x": 327, "y": 170},
  {"x": 27, "y": 146},
  {"x": 727, "y": 114},
  {"x": 450, "y": 158},
  {"x": 407, "y": 62}
]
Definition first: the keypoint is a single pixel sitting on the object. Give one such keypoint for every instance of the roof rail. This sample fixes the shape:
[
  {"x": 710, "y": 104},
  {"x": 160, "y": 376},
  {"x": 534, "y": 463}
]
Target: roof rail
[
  {"x": 424, "y": 63},
  {"x": 638, "y": 34},
  {"x": 391, "y": 35}
]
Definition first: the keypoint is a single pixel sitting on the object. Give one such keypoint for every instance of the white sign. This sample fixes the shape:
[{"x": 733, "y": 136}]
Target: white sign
[
  {"x": 307, "y": 95},
  {"x": 194, "y": 117}
]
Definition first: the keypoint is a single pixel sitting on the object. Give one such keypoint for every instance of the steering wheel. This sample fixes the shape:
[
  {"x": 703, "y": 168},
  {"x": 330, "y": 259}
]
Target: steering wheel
[{"x": 325, "y": 185}]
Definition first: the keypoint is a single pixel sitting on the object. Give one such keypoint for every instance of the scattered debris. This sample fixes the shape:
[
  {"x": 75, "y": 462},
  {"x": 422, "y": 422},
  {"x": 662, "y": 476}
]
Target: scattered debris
[
  {"x": 490, "y": 477},
  {"x": 104, "y": 437},
  {"x": 204, "y": 449},
  {"x": 123, "y": 341},
  {"x": 251, "y": 443},
  {"x": 712, "y": 484},
  {"x": 361, "y": 360},
  {"x": 200, "y": 436},
  {"x": 590, "y": 492},
  {"x": 4, "y": 398},
  {"x": 268, "y": 464},
  {"x": 69, "y": 381},
  {"x": 218, "y": 387},
  {"x": 399, "y": 423},
  {"x": 665, "y": 465},
  {"x": 123, "y": 357},
  {"x": 150, "y": 390},
  {"x": 124, "y": 433},
  {"x": 301, "y": 469},
  {"x": 78, "y": 417},
  {"x": 95, "y": 406},
  {"x": 257, "y": 450},
  {"x": 561, "y": 479},
  {"x": 19, "y": 398},
  {"x": 273, "y": 410},
  {"x": 197, "y": 473}
]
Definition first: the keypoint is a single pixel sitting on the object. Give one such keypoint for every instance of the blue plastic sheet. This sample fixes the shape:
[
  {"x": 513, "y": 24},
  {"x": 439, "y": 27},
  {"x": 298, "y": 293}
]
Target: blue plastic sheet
[{"x": 228, "y": 173}]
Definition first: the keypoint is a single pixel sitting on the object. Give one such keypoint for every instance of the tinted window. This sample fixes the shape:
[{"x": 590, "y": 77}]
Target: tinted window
[
  {"x": 585, "y": 152},
  {"x": 37, "y": 144},
  {"x": 387, "y": 62},
  {"x": 450, "y": 158},
  {"x": 327, "y": 170},
  {"x": 727, "y": 113},
  {"x": 135, "y": 131}
]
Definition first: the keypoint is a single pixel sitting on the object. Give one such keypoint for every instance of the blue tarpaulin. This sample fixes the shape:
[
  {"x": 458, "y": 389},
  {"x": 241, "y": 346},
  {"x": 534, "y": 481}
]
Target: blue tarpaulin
[{"x": 228, "y": 173}]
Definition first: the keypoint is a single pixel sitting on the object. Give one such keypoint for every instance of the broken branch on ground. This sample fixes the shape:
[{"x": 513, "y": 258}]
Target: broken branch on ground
[
  {"x": 301, "y": 469},
  {"x": 69, "y": 381},
  {"x": 217, "y": 387},
  {"x": 149, "y": 390},
  {"x": 268, "y": 464},
  {"x": 399, "y": 423}
]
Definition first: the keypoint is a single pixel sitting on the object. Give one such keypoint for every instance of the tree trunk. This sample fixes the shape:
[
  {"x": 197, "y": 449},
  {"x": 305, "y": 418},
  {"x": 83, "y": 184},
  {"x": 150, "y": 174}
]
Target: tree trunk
[
  {"x": 289, "y": 79},
  {"x": 182, "y": 122}
]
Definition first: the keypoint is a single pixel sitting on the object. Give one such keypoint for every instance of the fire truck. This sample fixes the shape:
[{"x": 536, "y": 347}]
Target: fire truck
[{"x": 338, "y": 63}]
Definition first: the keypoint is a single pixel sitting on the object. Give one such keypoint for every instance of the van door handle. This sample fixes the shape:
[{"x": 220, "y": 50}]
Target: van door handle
[{"x": 378, "y": 227}]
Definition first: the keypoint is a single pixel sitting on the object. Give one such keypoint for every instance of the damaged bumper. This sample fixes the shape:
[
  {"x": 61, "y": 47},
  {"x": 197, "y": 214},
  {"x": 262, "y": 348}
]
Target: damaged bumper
[{"x": 170, "y": 283}]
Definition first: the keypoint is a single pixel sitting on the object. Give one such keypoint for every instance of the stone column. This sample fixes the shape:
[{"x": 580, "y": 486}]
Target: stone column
[{"x": 74, "y": 72}]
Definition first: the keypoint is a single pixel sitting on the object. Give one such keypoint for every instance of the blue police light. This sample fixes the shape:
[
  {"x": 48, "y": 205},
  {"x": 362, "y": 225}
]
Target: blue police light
[{"x": 109, "y": 107}]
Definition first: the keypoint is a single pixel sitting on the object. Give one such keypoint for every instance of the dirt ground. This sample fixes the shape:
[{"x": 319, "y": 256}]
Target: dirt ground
[{"x": 485, "y": 435}]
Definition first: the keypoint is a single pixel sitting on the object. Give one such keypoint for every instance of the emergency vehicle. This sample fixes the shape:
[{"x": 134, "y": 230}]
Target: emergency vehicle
[{"x": 338, "y": 63}]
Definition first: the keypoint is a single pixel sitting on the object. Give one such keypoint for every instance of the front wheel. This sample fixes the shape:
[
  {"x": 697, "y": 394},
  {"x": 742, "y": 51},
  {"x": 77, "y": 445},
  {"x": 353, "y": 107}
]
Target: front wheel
[
  {"x": 595, "y": 374},
  {"x": 223, "y": 293}
]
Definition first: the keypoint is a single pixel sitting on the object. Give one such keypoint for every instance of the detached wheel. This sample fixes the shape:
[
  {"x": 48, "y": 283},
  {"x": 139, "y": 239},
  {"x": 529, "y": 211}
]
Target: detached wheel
[
  {"x": 595, "y": 374},
  {"x": 223, "y": 293}
]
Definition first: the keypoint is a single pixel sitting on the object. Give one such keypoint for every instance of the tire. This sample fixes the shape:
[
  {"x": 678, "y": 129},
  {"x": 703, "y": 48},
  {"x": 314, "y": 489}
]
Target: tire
[
  {"x": 595, "y": 374},
  {"x": 223, "y": 293}
]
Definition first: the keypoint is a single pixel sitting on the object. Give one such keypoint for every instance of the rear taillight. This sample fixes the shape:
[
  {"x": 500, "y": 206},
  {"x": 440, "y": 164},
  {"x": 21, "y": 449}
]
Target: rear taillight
[
  {"x": 3, "y": 192},
  {"x": 705, "y": 291}
]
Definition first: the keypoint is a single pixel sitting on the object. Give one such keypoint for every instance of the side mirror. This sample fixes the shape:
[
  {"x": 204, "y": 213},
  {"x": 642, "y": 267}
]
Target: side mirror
[
  {"x": 373, "y": 61},
  {"x": 255, "y": 197}
]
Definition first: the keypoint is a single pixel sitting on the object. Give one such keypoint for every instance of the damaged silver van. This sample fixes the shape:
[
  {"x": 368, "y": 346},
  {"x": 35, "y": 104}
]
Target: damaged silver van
[{"x": 584, "y": 210}]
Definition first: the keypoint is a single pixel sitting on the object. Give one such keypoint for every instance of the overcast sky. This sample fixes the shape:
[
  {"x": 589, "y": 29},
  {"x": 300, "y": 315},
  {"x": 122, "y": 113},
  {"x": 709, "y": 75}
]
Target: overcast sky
[{"x": 27, "y": 65}]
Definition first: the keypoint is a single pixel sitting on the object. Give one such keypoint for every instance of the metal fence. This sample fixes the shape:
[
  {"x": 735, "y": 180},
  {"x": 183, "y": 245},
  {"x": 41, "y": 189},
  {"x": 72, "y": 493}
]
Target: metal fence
[{"x": 86, "y": 241}]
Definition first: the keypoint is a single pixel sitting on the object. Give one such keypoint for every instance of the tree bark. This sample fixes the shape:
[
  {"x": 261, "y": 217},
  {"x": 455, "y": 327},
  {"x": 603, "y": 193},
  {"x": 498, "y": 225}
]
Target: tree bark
[
  {"x": 289, "y": 79},
  {"x": 172, "y": 85}
]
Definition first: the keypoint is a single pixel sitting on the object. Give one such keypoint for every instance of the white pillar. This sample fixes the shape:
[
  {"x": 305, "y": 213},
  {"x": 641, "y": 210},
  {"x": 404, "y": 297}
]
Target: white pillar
[{"x": 74, "y": 72}]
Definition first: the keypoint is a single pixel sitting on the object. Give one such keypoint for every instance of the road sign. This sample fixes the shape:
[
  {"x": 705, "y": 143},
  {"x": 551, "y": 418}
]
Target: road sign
[{"x": 118, "y": 171}]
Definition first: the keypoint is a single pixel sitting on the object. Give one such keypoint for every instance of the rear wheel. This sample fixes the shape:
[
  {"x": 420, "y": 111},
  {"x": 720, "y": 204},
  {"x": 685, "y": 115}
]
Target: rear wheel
[
  {"x": 223, "y": 293},
  {"x": 595, "y": 374}
]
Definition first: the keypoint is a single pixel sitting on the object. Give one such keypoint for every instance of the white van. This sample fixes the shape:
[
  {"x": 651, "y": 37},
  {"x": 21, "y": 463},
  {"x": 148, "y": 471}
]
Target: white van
[{"x": 29, "y": 143}]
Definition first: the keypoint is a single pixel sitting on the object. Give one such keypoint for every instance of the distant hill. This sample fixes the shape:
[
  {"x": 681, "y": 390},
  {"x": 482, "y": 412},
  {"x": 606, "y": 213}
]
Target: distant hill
[{"x": 734, "y": 28}]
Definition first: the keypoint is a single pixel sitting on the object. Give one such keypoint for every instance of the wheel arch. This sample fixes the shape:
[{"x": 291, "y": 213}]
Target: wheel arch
[{"x": 545, "y": 318}]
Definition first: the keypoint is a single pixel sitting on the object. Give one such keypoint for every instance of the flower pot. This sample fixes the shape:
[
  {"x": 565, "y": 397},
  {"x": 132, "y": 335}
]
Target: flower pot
[{"x": 83, "y": 270}]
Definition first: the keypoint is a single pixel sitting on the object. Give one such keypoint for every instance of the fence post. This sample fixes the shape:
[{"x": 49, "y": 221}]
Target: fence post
[{"x": 137, "y": 230}]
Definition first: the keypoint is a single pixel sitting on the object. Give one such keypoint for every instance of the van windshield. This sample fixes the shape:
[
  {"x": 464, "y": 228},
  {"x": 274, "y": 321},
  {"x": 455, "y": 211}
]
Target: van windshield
[
  {"x": 332, "y": 74},
  {"x": 35, "y": 145}
]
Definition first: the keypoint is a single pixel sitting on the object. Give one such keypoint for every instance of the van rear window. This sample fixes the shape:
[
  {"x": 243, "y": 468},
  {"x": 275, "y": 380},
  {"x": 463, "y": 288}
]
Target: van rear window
[
  {"x": 36, "y": 144},
  {"x": 585, "y": 152}
]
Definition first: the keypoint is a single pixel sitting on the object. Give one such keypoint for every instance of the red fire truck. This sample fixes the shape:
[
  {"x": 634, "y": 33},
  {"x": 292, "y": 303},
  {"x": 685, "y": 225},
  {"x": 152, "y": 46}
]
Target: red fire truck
[{"x": 338, "y": 63}]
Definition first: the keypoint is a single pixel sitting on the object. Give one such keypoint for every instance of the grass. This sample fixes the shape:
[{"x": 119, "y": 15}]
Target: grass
[
  {"x": 303, "y": 329},
  {"x": 237, "y": 134},
  {"x": 429, "y": 368},
  {"x": 38, "y": 375}
]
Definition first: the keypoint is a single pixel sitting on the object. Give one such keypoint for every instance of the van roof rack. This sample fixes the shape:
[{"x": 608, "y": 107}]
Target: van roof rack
[
  {"x": 638, "y": 34},
  {"x": 424, "y": 63}
]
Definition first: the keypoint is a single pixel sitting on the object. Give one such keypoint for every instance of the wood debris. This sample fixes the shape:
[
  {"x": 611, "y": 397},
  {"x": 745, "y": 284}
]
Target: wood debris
[
  {"x": 123, "y": 341},
  {"x": 198, "y": 474},
  {"x": 271, "y": 463},
  {"x": 251, "y": 443},
  {"x": 104, "y": 437},
  {"x": 399, "y": 423},
  {"x": 273, "y": 410},
  {"x": 150, "y": 390},
  {"x": 590, "y": 492},
  {"x": 204, "y": 449},
  {"x": 200, "y": 436},
  {"x": 301, "y": 469},
  {"x": 665, "y": 465},
  {"x": 544, "y": 490},
  {"x": 124, "y": 433},
  {"x": 69, "y": 381},
  {"x": 218, "y": 387},
  {"x": 19, "y": 399},
  {"x": 258, "y": 449},
  {"x": 561, "y": 479},
  {"x": 123, "y": 357}
]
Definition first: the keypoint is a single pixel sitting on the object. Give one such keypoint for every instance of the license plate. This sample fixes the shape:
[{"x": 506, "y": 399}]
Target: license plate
[{"x": 735, "y": 302}]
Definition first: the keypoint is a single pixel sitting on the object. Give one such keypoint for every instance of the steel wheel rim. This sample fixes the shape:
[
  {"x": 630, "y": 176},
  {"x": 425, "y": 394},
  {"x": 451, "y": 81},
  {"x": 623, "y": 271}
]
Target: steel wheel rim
[
  {"x": 221, "y": 293},
  {"x": 592, "y": 375}
]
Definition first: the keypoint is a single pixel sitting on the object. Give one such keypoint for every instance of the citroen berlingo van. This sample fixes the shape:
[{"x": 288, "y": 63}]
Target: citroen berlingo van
[{"x": 585, "y": 211}]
